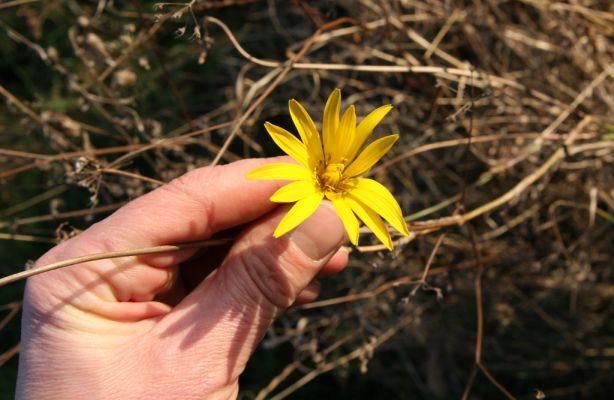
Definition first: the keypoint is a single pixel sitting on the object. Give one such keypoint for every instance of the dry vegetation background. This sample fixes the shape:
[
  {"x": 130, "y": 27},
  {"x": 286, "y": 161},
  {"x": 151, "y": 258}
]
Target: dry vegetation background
[{"x": 504, "y": 170}]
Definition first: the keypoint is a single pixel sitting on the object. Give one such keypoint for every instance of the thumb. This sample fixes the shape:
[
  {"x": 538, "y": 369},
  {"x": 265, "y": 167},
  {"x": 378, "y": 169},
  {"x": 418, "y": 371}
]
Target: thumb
[
  {"x": 230, "y": 311},
  {"x": 268, "y": 273}
]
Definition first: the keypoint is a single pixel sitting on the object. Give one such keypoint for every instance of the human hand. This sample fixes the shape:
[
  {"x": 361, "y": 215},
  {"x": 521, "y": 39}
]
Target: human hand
[{"x": 146, "y": 327}]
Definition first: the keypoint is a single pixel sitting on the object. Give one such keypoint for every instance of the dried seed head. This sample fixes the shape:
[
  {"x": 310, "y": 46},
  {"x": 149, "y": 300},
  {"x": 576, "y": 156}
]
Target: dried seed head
[
  {"x": 126, "y": 39},
  {"x": 202, "y": 57},
  {"x": 83, "y": 21},
  {"x": 180, "y": 32},
  {"x": 178, "y": 14},
  {"x": 62, "y": 123},
  {"x": 52, "y": 54},
  {"x": 144, "y": 63},
  {"x": 125, "y": 77},
  {"x": 97, "y": 44},
  {"x": 196, "y": 35}
]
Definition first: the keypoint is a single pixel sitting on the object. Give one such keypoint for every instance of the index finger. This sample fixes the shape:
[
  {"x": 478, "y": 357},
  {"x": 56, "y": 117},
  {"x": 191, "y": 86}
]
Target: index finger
[{"x": 189, "y": 208}]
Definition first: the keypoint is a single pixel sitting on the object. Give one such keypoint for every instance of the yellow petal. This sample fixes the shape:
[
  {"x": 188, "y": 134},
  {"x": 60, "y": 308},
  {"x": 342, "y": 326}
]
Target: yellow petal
[
  {"x": 379, "y": 199},
  {"x": 293, "y": 192},
  {"x": 345, "y": 136},
  {"x": 298, "y": 213},
  {"x": 331, "y": 120},
  {"x": 372, "y": 220},
  {"x": 366, "y": 126},
  {"x": 350, "y": 222},
  {"x": 370, "y": 155},
  {"x": 307, "y": 130},
  {"x": 283, "y": 171},
  {"x": 288, "y": 143}
]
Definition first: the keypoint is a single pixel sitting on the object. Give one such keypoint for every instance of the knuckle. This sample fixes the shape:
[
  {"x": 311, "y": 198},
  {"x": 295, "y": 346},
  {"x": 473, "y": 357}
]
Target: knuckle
[
  {"x": 189, "y": 183},
  {"x": 263, "y": 279},
  {"x": 194, "y": 187}
]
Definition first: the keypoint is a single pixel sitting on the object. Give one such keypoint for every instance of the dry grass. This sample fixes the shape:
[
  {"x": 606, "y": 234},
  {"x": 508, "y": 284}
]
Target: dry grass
[{"x": 504, "y": 169}]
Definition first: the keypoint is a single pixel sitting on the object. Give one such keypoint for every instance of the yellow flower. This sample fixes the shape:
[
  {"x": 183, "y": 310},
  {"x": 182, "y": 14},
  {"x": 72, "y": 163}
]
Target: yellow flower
[{"x": 333, "y": 170}]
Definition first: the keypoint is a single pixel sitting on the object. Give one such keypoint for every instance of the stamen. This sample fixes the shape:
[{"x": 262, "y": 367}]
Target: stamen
[{"x": 332, "y": 175}]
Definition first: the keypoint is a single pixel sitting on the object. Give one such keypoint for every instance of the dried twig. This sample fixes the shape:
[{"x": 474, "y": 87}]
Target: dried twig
[{"x": 109, "y": 255}]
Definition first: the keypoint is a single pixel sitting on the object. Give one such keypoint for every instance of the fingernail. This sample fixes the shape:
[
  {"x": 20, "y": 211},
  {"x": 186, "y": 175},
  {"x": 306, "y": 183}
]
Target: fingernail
[{"x": 321, "y": 234}]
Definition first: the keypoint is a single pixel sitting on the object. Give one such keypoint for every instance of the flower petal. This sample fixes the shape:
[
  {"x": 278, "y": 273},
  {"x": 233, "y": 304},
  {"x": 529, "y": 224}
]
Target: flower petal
[
  {"x": 331, "y": 120},
  {"x": 307, "y": 130},
  {"x": 288, "y": 143},
  {"x": 294, "y": 191},
  {"x": 375, "y": 195},
  {"x": 298, "y": 213},
  {"x": 350, "y": 222},
  {"x": 366, "y": 126},
  {"x": 370, "y": 155},
  {"x": 345, "y": 136},
  {"x": 283, "y": 171},
  {"x": 372, "y": 220}
]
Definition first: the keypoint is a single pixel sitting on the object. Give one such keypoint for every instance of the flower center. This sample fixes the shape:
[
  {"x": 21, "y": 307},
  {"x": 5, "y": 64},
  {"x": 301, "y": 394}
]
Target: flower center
[{"x": 332, "y": 175}]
